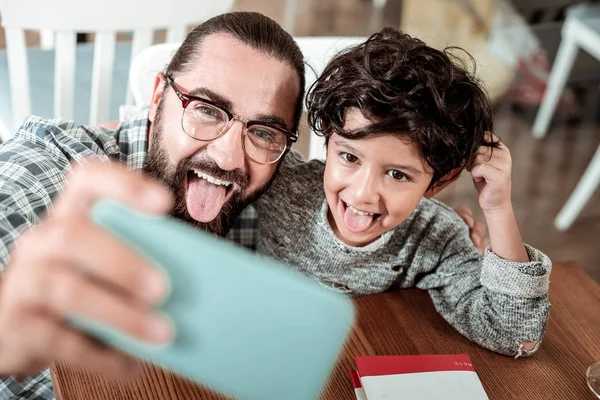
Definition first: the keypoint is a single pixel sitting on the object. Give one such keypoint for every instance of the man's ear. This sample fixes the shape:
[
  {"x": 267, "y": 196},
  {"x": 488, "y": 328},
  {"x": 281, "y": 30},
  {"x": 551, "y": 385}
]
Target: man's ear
[
  {"x": 157, "y": 93},
  {"x": 443, "y": 182}
]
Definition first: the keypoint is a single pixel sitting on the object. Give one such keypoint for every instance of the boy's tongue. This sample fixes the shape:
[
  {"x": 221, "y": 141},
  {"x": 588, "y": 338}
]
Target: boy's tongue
[
  {"x": 203, "y": 199},
  {"x": 356, "y": 223}
]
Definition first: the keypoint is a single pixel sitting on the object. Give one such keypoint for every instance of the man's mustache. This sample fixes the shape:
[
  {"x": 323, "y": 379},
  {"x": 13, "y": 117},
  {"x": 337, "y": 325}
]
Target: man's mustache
[{"x": 210, "y": 167}]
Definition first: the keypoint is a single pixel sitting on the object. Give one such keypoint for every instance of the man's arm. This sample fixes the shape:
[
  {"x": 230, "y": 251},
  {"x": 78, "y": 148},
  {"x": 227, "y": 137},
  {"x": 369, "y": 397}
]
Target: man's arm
[
  {"x": 42, "y": 283},
  {"x": 112, "y": 125}
]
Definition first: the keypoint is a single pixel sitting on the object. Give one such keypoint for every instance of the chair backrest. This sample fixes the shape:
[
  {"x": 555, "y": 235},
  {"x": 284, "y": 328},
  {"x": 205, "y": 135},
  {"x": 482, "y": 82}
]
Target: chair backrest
[
  {"x": 105, "y": 18},
  {"x": 317, "y": 51},
  {"x": 144, "y": 69}
]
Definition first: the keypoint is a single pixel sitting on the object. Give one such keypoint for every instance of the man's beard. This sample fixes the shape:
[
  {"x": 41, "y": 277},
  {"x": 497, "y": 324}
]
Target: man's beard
[{"x": 157, "y": 166}]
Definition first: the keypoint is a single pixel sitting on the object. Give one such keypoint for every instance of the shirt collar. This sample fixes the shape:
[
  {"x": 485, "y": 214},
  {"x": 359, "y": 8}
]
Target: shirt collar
[{"x": 132, "y": 139}]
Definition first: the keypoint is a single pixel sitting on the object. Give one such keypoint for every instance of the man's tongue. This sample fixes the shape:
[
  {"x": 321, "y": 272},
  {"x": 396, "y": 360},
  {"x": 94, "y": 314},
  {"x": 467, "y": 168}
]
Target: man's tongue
[
  {"x": 203, "y": 199},
  {"x": 355, "y": 222}
]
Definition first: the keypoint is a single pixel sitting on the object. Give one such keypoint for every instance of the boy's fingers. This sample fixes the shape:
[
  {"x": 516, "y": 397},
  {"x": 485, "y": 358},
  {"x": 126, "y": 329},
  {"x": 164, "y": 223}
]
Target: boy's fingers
[
  {"x": 493, "y": 162},
  {"x": 490, "y": 137},
  {"x": 481, "y": 171},
  {"x": 483, "y": 154}
]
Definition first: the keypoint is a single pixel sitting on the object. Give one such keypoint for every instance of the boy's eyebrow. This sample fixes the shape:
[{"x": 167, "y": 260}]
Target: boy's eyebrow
[
  {"x": 348, "y": 147},
  {"x": 404, "y": 167}
]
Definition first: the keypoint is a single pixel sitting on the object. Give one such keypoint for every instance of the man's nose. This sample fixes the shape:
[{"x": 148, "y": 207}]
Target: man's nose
[{"x": 227, "y": 150}]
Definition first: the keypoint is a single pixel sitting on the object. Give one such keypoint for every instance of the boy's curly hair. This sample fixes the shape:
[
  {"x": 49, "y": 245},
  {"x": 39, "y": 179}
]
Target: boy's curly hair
[{"x": 424, "y": 95}]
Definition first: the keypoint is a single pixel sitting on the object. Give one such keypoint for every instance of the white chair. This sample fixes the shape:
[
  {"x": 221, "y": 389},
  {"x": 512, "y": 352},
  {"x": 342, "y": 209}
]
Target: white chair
[
  {"x": 144, "y": 69},
  {"x": 581, "y": 29},
  {"x": 580, "y": 196},
  {"x": 61, "y": 20},
  {"x": 317, "y": 53}
]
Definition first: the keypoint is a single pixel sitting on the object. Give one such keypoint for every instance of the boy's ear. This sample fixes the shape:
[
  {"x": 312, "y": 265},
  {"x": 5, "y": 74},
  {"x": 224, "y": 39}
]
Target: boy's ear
[{"x": 443, "y": 182}]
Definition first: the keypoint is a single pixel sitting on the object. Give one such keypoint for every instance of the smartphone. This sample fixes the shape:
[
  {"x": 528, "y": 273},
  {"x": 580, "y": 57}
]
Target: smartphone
[{"x": 245, "y": 325}]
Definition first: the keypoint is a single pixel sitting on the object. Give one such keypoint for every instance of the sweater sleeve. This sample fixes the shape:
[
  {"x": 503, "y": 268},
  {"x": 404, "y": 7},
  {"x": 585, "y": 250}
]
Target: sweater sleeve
[{"x": 494, "y": 302}]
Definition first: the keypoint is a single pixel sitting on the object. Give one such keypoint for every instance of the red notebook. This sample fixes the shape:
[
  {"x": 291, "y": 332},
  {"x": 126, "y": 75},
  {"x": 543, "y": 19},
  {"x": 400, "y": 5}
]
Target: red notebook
[{"x": 427, "y": 377}]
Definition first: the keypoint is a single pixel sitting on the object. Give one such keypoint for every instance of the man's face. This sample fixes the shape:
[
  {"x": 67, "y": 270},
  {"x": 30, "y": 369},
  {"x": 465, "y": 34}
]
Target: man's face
[{"x": 252, "y": 85}]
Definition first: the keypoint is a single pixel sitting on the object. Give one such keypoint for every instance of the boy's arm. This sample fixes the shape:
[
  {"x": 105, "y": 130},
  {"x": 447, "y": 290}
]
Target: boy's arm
[
  {"x": 491, "y": 172},
  {"x": 492, "y": 177},
  {"x": 499, "y": 304},
  {"x": 501, "y": 301}
]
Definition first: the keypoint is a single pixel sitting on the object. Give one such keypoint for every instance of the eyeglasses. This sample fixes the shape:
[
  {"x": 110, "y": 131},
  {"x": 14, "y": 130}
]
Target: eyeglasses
[{"x": 204, "y": 120}]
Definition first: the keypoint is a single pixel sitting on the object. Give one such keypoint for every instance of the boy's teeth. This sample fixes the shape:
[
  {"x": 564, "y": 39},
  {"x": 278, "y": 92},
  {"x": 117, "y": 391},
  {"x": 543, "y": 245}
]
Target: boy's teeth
[
  {"x": 355, "y": 211},
  {"x": 211, "y": 179}
]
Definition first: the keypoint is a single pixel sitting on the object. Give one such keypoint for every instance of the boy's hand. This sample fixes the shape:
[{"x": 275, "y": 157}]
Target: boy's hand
[{"x": 491, "y": 172}]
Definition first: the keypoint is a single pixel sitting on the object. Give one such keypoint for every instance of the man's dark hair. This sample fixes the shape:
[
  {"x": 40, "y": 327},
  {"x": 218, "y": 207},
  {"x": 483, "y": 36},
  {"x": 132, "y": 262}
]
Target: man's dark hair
[
  {"x": 423, "y": 95},
  {"x": 253, "y": 29}
]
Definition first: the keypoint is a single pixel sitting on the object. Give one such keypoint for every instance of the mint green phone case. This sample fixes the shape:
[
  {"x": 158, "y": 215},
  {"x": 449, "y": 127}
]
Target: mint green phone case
[{"x": 245, "y": 325}]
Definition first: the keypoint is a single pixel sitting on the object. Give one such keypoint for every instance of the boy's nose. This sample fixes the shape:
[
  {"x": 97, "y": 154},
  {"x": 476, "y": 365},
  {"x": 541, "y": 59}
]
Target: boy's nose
[{"x": 366, "y": 190}]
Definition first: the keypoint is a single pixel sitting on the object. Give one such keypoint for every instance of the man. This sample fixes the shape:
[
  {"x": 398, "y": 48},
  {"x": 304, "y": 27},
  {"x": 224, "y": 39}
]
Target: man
[{"x": 221, "y": 118}]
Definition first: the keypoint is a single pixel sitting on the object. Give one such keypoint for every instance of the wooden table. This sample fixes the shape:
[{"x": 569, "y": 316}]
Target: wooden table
[{"x": 406, "y": 323}]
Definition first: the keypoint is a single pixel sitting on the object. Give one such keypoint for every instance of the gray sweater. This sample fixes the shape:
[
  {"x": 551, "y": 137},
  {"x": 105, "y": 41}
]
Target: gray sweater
[{"x": 494, "y": 302}]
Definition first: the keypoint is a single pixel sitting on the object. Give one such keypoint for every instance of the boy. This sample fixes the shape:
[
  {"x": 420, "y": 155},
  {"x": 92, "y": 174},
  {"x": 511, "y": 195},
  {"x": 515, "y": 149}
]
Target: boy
[{"x": 401, "y": 121}]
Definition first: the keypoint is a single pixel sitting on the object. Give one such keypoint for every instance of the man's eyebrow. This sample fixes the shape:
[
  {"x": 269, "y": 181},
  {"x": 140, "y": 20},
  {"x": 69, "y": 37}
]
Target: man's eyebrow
[
  {"x": 216, "y": 98},
  {"x": 272, "y": 120},
  {"x": 223, "y": 102}
]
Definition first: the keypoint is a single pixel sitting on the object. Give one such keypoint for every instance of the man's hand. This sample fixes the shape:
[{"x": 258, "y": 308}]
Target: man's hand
[
  {"x": 68, "y": 265},
  {"x": 476, "y": 228}
]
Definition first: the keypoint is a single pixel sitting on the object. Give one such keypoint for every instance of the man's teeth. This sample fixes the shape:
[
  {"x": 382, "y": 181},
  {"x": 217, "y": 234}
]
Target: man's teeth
[
  {"x": 211, "y": 179},
  {"x": 355, "y": 211}
]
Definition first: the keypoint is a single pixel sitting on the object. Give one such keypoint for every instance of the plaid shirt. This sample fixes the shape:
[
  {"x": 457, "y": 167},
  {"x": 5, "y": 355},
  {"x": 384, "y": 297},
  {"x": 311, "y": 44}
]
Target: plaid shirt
[{"x": 33, "y": 166}]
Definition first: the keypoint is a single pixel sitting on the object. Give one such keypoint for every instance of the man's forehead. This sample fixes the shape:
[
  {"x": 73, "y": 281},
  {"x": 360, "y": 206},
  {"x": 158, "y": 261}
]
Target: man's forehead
[{"x": 251, "y": 80}]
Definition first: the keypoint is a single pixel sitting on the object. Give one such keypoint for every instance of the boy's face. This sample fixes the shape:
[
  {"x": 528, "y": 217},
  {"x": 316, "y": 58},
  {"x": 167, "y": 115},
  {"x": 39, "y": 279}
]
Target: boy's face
[{"x": 371, "y": 184}]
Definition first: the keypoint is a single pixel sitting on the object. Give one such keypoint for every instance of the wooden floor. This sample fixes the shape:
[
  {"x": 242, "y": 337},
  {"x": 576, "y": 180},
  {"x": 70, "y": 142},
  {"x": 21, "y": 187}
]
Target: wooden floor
[{"x": 544, "y": 171}]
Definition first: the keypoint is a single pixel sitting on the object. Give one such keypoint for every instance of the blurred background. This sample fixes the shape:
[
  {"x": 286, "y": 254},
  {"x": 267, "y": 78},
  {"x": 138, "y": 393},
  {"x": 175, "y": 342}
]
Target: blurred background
[{"x": 514, "y": 43}]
